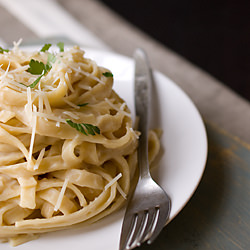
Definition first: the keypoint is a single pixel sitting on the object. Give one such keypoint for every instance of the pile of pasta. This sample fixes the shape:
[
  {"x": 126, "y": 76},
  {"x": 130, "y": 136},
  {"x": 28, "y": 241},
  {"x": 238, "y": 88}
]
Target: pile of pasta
[{"x": 67, "y": 145}]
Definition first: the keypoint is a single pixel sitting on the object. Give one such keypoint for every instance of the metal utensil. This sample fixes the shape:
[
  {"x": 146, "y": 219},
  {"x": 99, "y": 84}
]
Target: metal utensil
[{"x": 149, "y": 207}]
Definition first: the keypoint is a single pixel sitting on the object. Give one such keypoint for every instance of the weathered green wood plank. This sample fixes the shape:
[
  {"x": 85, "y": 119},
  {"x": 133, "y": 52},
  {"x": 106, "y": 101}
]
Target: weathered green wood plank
[{"x": 218, "y": 215}]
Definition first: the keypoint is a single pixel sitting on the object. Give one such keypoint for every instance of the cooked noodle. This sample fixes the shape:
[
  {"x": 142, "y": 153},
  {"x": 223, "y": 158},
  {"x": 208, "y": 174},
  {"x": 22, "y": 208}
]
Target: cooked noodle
[{"x": 51, "y": 174}]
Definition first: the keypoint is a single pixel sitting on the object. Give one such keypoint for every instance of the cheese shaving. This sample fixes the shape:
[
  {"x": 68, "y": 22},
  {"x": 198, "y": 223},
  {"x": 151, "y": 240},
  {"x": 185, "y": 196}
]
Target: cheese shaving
[
  {"x": 39, "y": 159},
  {"x": 113, "y": 181},
  {"x": 32, "y": 139},
  {"x": 71, "y": 104},
  {"x": 121, "y": 108},
  {"x": 60, "y": 197},
  {"x": 71, "y": 114}
]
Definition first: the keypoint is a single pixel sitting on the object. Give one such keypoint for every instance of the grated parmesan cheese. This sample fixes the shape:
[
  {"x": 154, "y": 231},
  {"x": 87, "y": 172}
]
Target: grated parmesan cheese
[
  {"x": 46, "y": 103},
  {"x": 71, "y": 114},
  {"x": 13, "y": 85},
  {"x": 113, "y": 181},
  {"x": 79, "y": 70},
  {"x": 40, "y": 102},
  {"x": 121, "y": 191},
  {"x": 7, "y": 70},
  {"x": 136, "y": 135},
  {"x": 56, "y": 79},
  {"x": 71, "y": 104},
  {"x": 67, "y": 82},
  {"x": 32, "y": 139},
  {"x": 28, "y": 106},
  {"x": 60, "y": 197},
  {"x": 120, "y": 109},
  {"x": 84, "y": 86},
  {"x": 50, "y": 117},
  {"x": 39, "y": 159}
]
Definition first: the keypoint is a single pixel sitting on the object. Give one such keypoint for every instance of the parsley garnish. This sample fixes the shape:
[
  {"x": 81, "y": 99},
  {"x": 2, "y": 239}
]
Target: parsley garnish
[
  {"x": 37, "y": 68},
  {"x": 33, "y": 85},
  {"x": 51, "y": 59},
  {"x": 82, "y": 104},
  {"x": 3, "y": 50},
  {"x": 84, "y": 128},
  {"x": 60, "y": 45},
  {"x": 108, "y": 74},
  {"x": 46, "y": 47}
]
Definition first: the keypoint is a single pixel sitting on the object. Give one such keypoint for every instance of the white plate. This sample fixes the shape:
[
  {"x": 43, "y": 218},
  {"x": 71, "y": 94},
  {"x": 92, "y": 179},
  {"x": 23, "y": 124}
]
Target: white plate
[{"x": 180, "y": 169}]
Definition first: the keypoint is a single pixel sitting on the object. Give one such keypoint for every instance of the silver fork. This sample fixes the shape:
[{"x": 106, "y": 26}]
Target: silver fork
[{"x": 149, "y": 207}]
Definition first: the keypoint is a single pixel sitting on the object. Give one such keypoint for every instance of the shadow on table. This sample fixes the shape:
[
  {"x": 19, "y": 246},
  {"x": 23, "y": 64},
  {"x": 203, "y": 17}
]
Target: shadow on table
[{"x": 217, "y": 216}]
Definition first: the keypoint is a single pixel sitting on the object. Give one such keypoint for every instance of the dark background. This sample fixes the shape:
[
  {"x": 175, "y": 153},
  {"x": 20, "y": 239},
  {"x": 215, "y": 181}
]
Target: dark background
[{"x": 214, "y": 34}]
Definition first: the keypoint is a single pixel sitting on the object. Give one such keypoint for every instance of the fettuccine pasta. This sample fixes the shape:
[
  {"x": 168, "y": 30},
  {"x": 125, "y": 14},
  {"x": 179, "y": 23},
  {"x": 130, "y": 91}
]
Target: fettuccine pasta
[{"x": 67, "y": 146}]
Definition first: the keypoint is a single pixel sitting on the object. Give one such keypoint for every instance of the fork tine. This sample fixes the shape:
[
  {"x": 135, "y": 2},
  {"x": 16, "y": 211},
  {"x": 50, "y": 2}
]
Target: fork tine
[
  {"x": 133, "y": 232},
  {"x": 148, "y": 229},
  {"x": 128, "y": 229},
  {"x": 153, "y": 224},
  {"x": 159, "y": 223},
  {"x": 143, "y": 231},
  {"x": 142, "y": 218}
]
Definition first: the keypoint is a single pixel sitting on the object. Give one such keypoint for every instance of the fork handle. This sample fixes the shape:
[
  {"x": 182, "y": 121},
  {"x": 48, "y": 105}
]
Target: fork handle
[{"x": 142, "y": 92}]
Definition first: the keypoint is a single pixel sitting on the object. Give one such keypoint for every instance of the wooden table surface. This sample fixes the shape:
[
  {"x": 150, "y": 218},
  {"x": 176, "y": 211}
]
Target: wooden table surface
[{"x": 217, "y": 216}]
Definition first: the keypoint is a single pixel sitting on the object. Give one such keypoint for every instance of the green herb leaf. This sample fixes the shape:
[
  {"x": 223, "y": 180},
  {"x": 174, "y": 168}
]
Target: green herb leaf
[
  {"x": 45, "y": 47},
  {"x": 82, "y": 104},
  {"x": 36, "y": 67},
  {"x": 32, "y": 85},
  {"x": 3, "y": 50},
  {"x": 23, "y": 84},
  {"x": 84, "y": 128},
  {"x": 108, "y": 74},
  {"x": 51, "y": 59},
  {"x": 39, "y": 68},
  {"x": 92, "y": 130},
  {"x": 60, "y": 45},
  {"x": 77, "y": 126}
]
